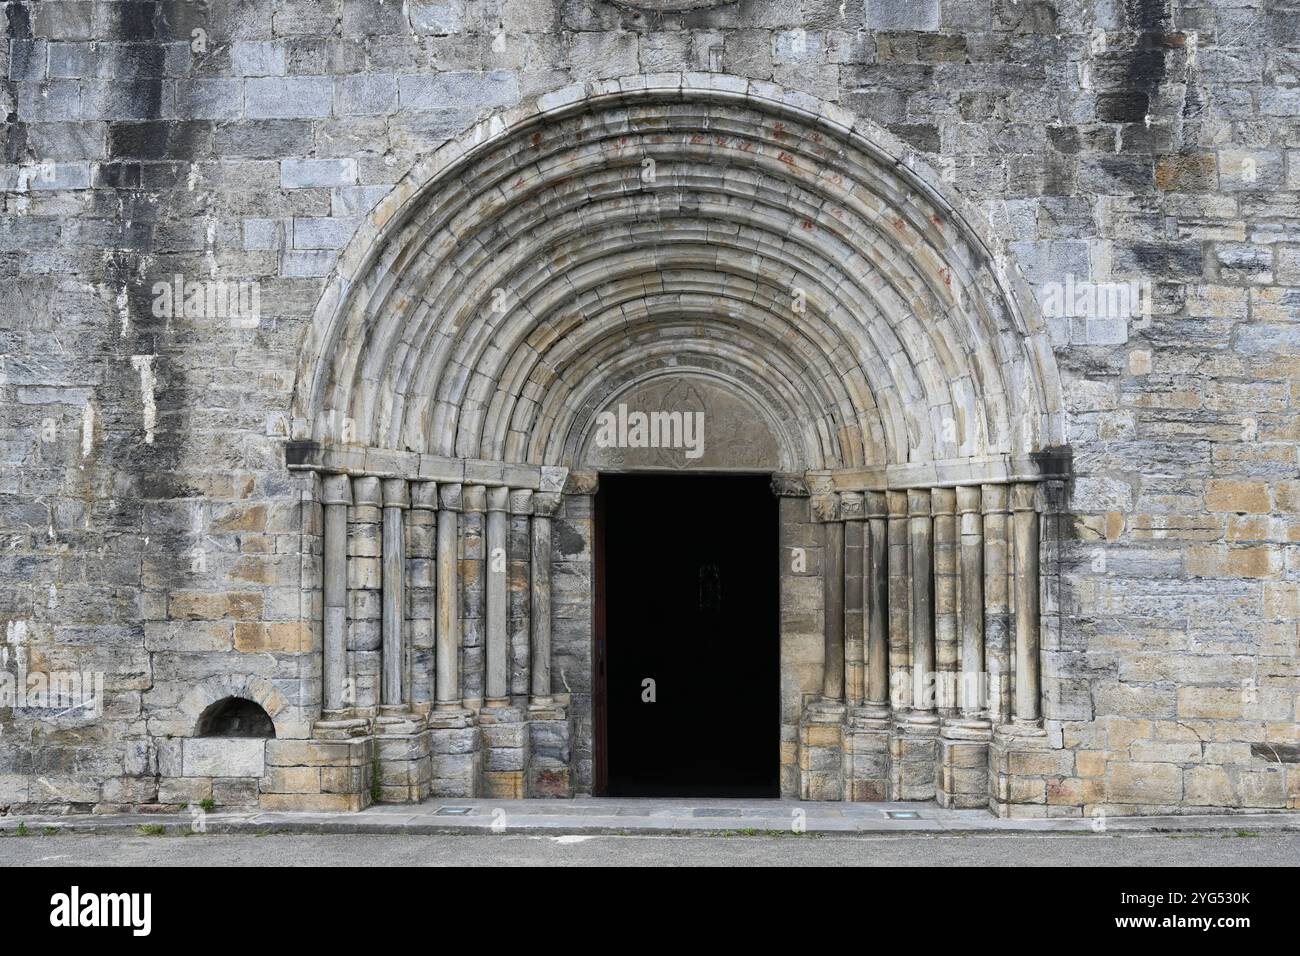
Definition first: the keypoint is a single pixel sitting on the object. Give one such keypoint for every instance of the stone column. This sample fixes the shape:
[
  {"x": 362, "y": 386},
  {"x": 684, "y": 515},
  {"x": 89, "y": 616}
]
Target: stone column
[
  {"x": 472, "y": 619},
  {"x": 421, "y": 594},
  {"x": 964, "y": 741},
  {"x": 877, "y": 600},
  {"x": 396, "y": 500},
  {"x": 997, "y": 601},
  {"x": 447, "y": 671},
  {"x": 497, "y": 683},
  {"x": 521, "y": 550},
  {"x": 1024, "y": 508},
  {"x": 900, "y": 635},
  {"x": 943, "y": 502},
  {"x": 853, "y": 511},
  {"x": 364, "y": 582},
  {"x": 827, "y": 509},
  {"x": 545, "y": 505},
  {"x": 921, "y": 555},
  {"x": 336, "y": 497},
  {"x": 972, "y": 689}
]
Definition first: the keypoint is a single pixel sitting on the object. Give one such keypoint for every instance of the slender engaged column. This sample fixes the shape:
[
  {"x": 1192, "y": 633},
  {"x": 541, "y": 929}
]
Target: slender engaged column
[
  {"x": 943, "y": 502},
  {"x": 1024, "y": 508},
  {"x": 365, "y": 575},
  {"x": 447, "y": 671},
  {"x": 421, "y": 594},
  {"x": 997, "y": 623},
  {"x": 826, "y": 508},
  {"x": 876, "y": 558},
  {"x": 853, "y": 511},
  {"x": 971, "y": 689},
  {"x": 900, "y": 635},
  {"x": 545, "y": 505},
  {"x": 396, "y": 499},
  {"x": 336, "y": 496},
  {"x": 473, "y": 638},
  {"x": 498, "y": 500},
  {"x": 921, "y": 554},
  {"x": 521, "y": 550}
]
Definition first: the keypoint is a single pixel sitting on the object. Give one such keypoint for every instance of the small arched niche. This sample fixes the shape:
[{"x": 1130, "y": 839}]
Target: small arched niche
[{"x": 235, "y": 717}]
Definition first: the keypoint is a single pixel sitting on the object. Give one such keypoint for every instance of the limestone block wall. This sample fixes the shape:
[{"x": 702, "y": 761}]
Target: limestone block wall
[{"x": 154, "y": 537}]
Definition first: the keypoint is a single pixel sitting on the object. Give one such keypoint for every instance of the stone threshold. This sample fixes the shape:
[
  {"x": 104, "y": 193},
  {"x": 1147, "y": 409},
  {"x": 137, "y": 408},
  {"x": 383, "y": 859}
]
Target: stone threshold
[{"x": 661, "y": 817}]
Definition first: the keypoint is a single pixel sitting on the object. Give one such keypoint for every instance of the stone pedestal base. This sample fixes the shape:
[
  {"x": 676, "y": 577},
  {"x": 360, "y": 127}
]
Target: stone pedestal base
[
  {"x": 964, "y": 764},
  {"x": 913, "y": 756},
  {"x": 1022, "y": 763},
  {"x": 455, "y": 754},
  {"x": 331, "y": 771},
  {"x": 866, "y": 754},
  {"x": 821, "y": 752},
  {"x": 550, "y": 736},
  {"x": 506, "y": 746},
  {"x": 403, "y": 758}
]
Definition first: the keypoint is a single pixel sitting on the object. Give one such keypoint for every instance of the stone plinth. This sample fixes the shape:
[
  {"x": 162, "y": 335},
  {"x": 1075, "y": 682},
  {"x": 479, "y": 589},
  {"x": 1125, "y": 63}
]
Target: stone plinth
[
  {"x": 866, "y": 754},
  {"x": 821, "y": 752},
  {"x": 455, "y": 749},
  {"x": 331, "y": 771},
  {"x": 550, "y": 736},
  {"x": 964, "y": 764},
  {"x": 403, "y": 758},
  {"x": 913, "y": 756},
  {"x": 506, "y": 747}
]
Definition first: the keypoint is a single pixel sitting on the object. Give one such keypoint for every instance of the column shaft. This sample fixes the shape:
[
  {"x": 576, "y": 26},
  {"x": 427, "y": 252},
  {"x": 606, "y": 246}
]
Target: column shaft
[
  {"x": 853, "y": 511},
  {"x": 497, "y": 606},
  {"x": 447, "y": 669},
  {"x": 421, "y": 593},
  {"x": 336, "y": 496},
  {"x": 900, "y": 637},
  {"x": 544, "y": 507},
  {"x": 943, "y": 502},
  {"x": 1024, "y": 506},
  {"x": 393, "y": 584},
  {"x": 365, "y": 576},
  {"x": 997, "y": 601},
  {"x": 971, "y": 689},
  {"x": 920, "y": 553},
  {"x": 826, "y": 508},
  {"x": 876, "y": 559}
]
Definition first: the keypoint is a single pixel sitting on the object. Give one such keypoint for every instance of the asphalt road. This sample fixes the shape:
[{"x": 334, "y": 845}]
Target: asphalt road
[{"x": 1266, "y": 849}]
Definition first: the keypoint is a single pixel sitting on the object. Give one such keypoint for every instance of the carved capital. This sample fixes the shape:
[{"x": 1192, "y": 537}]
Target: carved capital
[
  {"x": 367, "y": 492},
  {"x": 546, "y": 503},
  {"x": 473, "y": 498},
  {"x": 582, "y": 483},
  {"x": 826, "y": 507},
  {"x": 789, "y": 486},
  {"x": 877, "y": 504},
  {"x": 424, "y": 495},
  {"x": 498, "y": 498},
  {"x": 396, "y": 493},
  {"x": 853, "y": 506},
  {"x": 521, "y": 501},
  {"x": 336, "y": 490},
  {"x": 968, "y": 499},
  {"x": 449, "y": 497}
]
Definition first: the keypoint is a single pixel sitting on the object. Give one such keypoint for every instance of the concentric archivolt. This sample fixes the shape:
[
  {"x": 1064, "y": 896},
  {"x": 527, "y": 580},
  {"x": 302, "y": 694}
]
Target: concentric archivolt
[{"x": 558, "y": 254}]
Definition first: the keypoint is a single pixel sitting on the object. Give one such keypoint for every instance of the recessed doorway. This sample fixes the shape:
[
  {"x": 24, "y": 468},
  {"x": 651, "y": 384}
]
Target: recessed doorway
[{"x": 687, "y": 637}]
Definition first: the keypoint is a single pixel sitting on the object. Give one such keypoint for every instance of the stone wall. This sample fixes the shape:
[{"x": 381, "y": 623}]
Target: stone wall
[{"x": 152, "y": 533}]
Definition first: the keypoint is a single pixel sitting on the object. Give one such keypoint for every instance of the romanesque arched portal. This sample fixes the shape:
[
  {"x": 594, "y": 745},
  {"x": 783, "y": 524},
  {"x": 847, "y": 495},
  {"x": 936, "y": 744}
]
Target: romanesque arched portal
[{"x": 764, "y": 253}]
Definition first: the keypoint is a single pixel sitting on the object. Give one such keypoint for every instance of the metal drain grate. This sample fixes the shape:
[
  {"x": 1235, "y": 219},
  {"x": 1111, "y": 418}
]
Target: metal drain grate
[
  {"x": 453, "y": 811},
  {"x": 902, "y": 814}
]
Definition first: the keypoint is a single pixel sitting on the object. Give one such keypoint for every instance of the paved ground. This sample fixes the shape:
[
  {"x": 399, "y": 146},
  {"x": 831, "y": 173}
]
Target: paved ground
[
  {"x": 940, "y": 849},
  {"x": 640, "y": 817}
]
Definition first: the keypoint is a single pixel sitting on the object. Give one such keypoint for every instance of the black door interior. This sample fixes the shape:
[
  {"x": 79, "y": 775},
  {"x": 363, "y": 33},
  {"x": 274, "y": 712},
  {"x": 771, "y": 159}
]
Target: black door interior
[{"x": 690, "y": 603}]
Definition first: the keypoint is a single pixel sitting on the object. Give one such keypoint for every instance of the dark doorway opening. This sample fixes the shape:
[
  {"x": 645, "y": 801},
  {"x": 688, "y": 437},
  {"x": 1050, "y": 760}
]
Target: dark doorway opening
[{"x": 687, "y": 598}]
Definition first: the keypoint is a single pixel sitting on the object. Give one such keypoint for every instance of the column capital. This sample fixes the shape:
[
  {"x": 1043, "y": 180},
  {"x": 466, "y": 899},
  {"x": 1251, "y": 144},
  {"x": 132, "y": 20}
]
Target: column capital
[
  {"x": 498, "y": 499},
  {"x": 826, "y": 507},
  {"x": 474, "y": 498},
  {"x": 789, "y": 486},
  {"x": 897, "y": 503},
  {"x": 852, "y": 506},
  {"x": 582, "y": 483},
  {"x": 521, "y": 501},
  {"x": 943, "y": 501},
  {"x": 1024, "y": 496},
  {"x": 449, "y": 497},
  {"x": 993, "y": 499},
  {"x": 424, "y": 495},
  {"x": 397, "y": 493},
  {"x": 367, "y": 491},
  {"x": 877, "y": 504},
  {"x": 546, "y": 503},
  {"x": 968, "y": 499},
  {"x": 918, "y": 502},
  {"x": 336, "y": 490}
]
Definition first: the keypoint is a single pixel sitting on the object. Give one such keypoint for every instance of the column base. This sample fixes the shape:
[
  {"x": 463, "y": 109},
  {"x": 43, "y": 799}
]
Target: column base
[
  {"x": 550, "y": 741},
  {"x": 1023, "y": 768},
  {"x": 914, "y": 755},
  {"x": 403, "y": 760},
  {"x": 964, "y": 763},
  {"x": 821, "y": 751},
  {"x": 455, "y": 750},
  {"x": 506, "y": 749},
  {"x": 331, "y": 771},
  {"x": 866, "y": 753}
]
